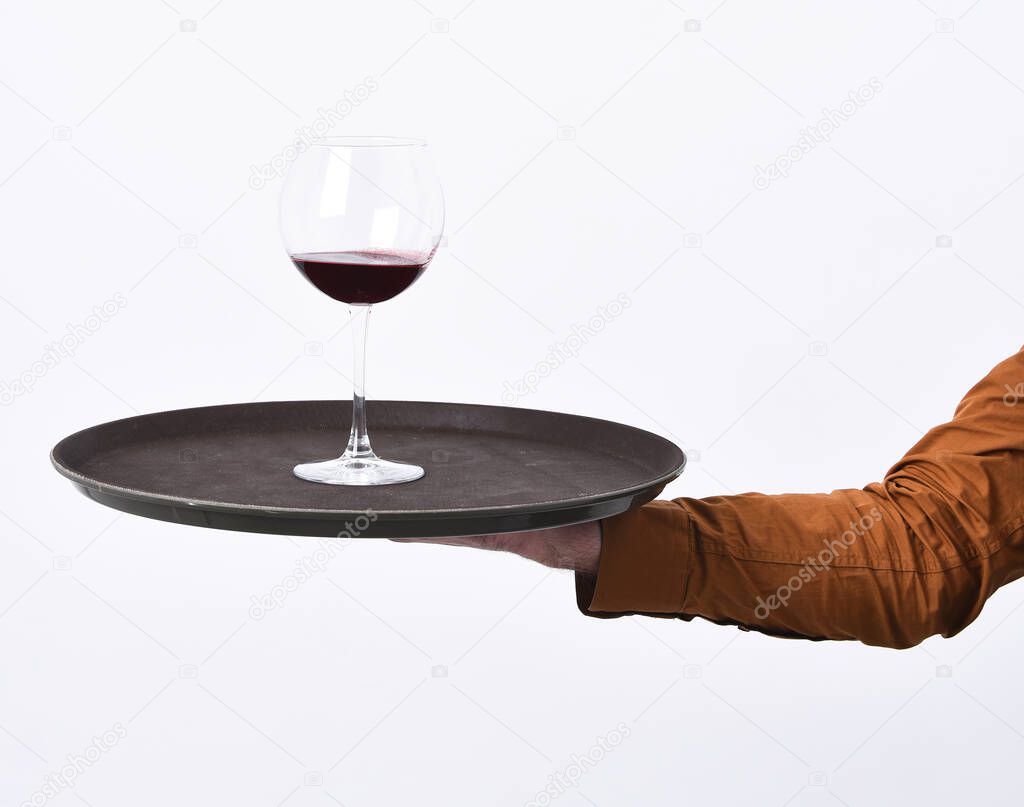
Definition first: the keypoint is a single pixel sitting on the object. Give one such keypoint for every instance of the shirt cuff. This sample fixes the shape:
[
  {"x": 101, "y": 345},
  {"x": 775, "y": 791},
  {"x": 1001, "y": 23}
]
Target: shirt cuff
[{"x": 646, "y": 556}]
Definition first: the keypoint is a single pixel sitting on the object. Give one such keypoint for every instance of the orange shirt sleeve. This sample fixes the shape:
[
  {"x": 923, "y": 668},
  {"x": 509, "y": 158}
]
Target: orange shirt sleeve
[{"x": 914, "y": 555}]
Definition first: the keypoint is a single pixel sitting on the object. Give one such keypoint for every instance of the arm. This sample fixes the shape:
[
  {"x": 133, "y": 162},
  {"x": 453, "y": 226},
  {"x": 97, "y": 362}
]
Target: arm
[{"x": 914, "y": 555}]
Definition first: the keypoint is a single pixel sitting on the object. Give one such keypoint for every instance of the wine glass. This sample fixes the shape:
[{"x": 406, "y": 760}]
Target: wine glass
[{"x": 361, "y": 217}]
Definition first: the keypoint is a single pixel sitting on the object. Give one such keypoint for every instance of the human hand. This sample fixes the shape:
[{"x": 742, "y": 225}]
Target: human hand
[{"x": 577, "y": 547}]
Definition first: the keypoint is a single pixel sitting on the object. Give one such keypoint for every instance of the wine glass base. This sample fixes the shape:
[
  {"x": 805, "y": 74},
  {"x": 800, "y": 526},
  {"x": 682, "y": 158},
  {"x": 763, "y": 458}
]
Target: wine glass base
[{"x": 358, "y": 471}]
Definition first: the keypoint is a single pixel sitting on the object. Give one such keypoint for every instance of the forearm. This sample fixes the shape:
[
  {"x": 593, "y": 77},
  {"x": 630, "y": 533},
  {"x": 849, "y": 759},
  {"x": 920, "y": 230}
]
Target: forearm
[{"x": 913, "y": 556}]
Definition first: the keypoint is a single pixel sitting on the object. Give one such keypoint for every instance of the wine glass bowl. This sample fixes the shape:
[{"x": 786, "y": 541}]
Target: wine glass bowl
[{"x": 361, "y": 218}]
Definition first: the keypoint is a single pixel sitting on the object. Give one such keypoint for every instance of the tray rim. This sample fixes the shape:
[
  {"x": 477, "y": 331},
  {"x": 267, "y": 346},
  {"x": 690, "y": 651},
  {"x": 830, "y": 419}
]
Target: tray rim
[{"x": 300, "y": 513}]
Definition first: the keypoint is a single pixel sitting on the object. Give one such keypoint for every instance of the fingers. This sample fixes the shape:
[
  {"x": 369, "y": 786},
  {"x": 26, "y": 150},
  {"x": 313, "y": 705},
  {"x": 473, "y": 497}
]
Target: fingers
[
  {"x": 473, "y": 541},
  {"x": 576, "y": 547}
]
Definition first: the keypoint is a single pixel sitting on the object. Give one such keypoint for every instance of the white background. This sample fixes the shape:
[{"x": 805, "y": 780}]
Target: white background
[{"x": 796, "y": 338}]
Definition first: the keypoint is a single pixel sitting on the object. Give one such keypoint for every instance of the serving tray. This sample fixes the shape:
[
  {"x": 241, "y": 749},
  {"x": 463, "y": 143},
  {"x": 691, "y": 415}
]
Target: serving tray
[{"x": 489, "y": 469}]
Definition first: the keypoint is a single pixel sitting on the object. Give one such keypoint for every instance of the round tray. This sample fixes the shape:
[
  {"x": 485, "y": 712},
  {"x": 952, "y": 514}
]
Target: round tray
[{"x": 489, "y": 469}]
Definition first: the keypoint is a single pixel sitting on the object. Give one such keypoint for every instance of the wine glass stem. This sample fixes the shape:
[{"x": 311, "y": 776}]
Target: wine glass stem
[{"x": 359, "y": 438}]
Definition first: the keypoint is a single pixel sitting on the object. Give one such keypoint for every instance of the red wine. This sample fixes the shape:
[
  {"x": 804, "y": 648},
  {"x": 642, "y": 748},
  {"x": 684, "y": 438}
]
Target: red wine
[{"x": 361, "y": 278}]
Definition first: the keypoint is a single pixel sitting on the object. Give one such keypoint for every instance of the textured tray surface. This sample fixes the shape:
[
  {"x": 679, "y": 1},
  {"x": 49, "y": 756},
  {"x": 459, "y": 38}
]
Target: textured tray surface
[{"x": 483, "y": 464}]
